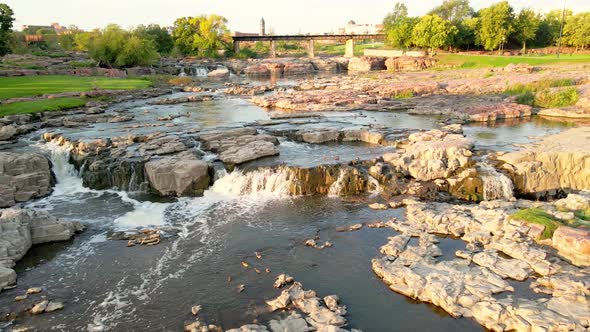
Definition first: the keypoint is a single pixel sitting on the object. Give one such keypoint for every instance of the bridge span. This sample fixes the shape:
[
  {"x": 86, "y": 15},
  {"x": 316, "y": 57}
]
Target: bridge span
[{"x": 349, "y": 39}]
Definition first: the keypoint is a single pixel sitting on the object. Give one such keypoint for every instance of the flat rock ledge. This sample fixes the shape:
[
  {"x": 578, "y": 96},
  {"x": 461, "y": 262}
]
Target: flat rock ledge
[
  {"x": 498, "y": 249},
  {"x": 22, "y": 228},
  {"x": 23, "y": 176},
  {"x": 557, "y": 163}
]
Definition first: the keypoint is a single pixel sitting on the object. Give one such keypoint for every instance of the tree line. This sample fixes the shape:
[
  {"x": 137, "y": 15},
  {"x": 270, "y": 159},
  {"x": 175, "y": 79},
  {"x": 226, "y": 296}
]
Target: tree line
[
  {"x": 113, "y": 46},
  {"x": 456, "y": 25}
]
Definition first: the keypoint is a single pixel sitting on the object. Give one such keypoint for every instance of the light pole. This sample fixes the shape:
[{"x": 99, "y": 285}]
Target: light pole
[{"x": 561, "y": 29}]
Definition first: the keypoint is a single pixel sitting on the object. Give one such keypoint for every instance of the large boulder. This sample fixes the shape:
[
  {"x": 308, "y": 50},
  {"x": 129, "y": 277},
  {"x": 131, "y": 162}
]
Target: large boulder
[
  {"x": 178, "y": 176},
  {"x": 22, "y": 228},
  {"x": 366, "y": 63},
  {"x": 7, "y": 132},
  {"x": 23, "y": 176},
  {"x": 557, "y": 163},
  {"x": 237, "y": 146},
  {"x": 407, "y": 63}
]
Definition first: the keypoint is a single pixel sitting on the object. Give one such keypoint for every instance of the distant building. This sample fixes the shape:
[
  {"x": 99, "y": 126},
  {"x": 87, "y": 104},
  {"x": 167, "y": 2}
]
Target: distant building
[{"x": 352, "y": 28}]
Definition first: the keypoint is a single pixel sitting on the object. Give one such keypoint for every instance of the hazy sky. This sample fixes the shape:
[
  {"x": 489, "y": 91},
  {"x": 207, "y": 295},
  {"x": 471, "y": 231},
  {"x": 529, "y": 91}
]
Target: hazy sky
[{"x": 243, "y": 15}]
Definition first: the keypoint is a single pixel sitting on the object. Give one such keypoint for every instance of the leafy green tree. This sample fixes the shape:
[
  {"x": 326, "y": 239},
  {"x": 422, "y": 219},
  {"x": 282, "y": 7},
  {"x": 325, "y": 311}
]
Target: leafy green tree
[
  {"x": 84, "y": 40},
  {"x": 400, "y": 11},
  {"x": 398, "y": 26},
  {"x": 202, "y": 35},
  {"x": 548, "y": 32},
  {"x": 137, "y": 52},
  {"x": 495, "y": 25},
  {"x": 158, "y": 35},
  {"x": 465, "y": 37},
  {"x": 433, "y": 32},
  {"x": 454, "y": 11},
  {"x": 115, "y": 47},
  {"x": 576, "y": 31},
  {"x": 6, "y": 20},
  {"x": 527, "y": 24}
]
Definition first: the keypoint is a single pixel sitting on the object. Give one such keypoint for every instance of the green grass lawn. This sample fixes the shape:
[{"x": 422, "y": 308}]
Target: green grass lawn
[
  {"x": 486, "y": 61},
  {"x": 25, "y": 86},
  {"x": 43, "y": 105}
]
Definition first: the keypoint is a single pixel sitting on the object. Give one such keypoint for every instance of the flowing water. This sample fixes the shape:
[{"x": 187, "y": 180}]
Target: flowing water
[{"x": 106, "y": 284}]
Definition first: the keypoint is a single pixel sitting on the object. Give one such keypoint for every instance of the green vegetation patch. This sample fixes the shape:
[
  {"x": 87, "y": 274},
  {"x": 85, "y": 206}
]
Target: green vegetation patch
[
  {"x": 405, "y": 94},
  {"x": 43, "y": 105},
  {"x": 26, "y": 86},
  {"x": 561, "y": 98},
  {"x": 540, "y": 217}
]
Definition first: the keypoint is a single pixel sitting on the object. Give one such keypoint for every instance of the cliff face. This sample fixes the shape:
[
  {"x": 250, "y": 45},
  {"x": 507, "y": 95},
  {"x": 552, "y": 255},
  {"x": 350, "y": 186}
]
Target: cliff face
[{"x": 558, "y": 163}]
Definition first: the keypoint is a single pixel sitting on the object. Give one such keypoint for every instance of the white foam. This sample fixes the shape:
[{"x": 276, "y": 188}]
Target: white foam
[{"x": 495, "y": 184}]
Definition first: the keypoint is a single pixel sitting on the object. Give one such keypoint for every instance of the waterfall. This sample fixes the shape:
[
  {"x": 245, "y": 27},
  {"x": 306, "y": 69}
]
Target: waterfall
[
  {"x": 495, "y": 184},
  {"x": 338, "y": 185},
  {"x": 374, "y": 186},
  {"x": 265, "y": 181},
  {"x": 68, "y": 181},
  {"x": 200, "y": 71}
]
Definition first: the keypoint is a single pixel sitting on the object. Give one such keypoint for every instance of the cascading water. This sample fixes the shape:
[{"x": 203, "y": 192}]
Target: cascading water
[
  {"x": 336, "y": 187},
  {"x": 495, "y": 184},
  {"x": 69, "y": 186},
  {"x": 261, "y": 182},
  {"x": 200, "y": 71}
]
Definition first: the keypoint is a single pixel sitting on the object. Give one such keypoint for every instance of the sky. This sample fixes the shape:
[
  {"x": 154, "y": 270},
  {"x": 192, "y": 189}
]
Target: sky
[{"x": 282, "y": 16}]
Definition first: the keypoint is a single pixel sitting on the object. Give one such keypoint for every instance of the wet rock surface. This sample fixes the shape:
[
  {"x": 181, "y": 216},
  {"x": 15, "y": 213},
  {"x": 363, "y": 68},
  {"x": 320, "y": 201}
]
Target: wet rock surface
[
  {"x": 22, "y": 228},
  {"x": 23, "y": 176}
]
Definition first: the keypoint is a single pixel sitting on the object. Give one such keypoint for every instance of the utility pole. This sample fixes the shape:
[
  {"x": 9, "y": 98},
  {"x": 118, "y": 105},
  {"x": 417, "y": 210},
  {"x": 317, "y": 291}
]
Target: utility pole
[{"x": 561, "y": 29}]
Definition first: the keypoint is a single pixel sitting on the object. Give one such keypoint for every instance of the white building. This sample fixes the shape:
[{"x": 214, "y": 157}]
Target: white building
[{"x": 352, "y": 28}]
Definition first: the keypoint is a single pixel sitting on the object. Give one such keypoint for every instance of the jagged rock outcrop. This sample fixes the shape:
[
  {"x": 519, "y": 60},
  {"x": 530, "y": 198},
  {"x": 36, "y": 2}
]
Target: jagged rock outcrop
[
  {"x": 22, "y": 228},
  {"x": 23, "y": 176},
  {"x": 464, "y": 287},
  {"x": 237, "y": 146},
  {"x": 432, "y": 155},
  {"x": 557, "y": 163}
]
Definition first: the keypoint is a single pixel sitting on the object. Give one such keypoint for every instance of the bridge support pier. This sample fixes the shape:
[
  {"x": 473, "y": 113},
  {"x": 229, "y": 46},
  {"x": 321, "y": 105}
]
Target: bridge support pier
[
  {"x": 349, "y": 49},
  {"x": 311, "y": 49},
  {"x": 273, "y": 48},
  {"x": 236, "y": 46}
]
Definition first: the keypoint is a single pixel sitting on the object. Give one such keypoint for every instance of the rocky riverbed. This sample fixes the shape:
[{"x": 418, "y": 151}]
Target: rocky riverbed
[{"x": 180, "y": 208}]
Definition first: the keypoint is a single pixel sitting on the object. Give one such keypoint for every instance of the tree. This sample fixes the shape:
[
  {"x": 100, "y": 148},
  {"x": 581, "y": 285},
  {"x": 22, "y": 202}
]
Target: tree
[
  {"x": 6, "y": 20},
  {"x": 398, "y": 26},
  {"x": 115, "y": 47},
  {"x": 495, "y": 25},
  {"x": 576, "y": 31},
  {"x": 400, "y": 11},
  {"x": 527, "y": 24},
  {"x": 201, "y": 35},
  {"x": 453, "y": 11},
  {"x": 158, "y": 35},
  {"x": 433, "y": 32},
  {"x": 465, "y": 37}
]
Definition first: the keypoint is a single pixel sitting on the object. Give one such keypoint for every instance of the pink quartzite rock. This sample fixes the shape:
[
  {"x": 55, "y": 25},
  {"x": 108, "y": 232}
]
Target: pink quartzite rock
[{"x": 574, "y": 244}]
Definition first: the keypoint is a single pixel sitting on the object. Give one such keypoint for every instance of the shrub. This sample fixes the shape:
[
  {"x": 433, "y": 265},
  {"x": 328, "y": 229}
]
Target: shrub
[
  {"x": 561, "y": 98},
  {"x": 404, "y": 94},
  {"x": 527, "y": 98}
]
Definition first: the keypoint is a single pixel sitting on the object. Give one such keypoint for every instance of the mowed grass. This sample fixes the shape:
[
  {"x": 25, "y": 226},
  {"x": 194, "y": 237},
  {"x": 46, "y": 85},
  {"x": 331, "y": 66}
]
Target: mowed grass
[
  {"x": 26, "y": 86},
  {"x": 487, "y": 61},
  {"x": 42, "y": 105}
]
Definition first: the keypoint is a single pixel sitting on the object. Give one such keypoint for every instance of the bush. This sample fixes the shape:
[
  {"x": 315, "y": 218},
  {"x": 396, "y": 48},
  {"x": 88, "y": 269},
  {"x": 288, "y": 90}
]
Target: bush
[
  {"x": 246, "y": 53},
  {"x": 527, "y": 98},
  {"x": 562, "y": 98}
]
